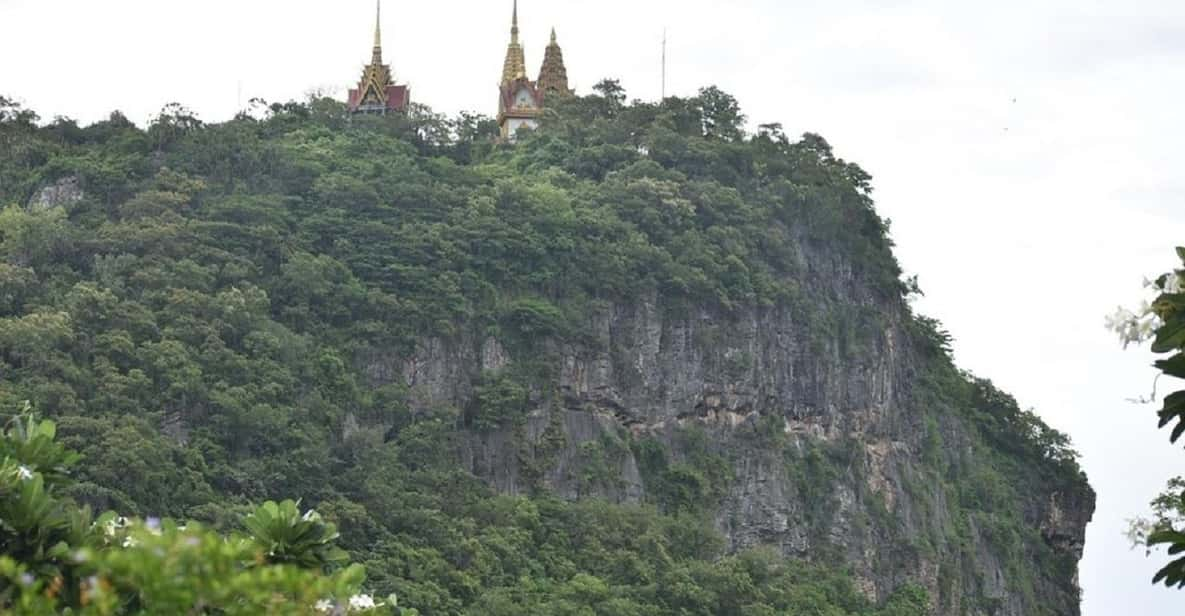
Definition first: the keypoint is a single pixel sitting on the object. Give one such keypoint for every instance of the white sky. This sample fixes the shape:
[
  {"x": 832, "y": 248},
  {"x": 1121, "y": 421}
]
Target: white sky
[{"x": 1027, "y": 221}]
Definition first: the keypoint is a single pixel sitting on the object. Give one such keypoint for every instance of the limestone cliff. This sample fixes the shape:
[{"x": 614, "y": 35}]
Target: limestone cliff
[{"x": 814, "y": 427}]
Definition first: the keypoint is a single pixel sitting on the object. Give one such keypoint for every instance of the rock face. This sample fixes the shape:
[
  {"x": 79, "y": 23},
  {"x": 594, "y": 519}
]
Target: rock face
[
  {"x": 807, "y": 437},
  {"x": 63, "y": 193}
]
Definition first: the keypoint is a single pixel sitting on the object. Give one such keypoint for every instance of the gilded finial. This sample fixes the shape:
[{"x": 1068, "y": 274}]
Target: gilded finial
[
  {"x": 378, "y": 20},
  {"x": 514, "y": 25}
]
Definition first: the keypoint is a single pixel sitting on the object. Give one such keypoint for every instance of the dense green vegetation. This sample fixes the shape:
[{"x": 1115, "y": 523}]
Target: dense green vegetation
[
  {"x": 56, "y": 557},
  {"x": 194, "y": 322}
]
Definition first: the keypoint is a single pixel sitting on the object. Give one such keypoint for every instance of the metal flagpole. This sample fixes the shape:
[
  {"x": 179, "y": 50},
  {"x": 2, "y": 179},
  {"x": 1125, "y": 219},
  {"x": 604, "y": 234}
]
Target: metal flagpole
[{"x": 664, "y": 65}]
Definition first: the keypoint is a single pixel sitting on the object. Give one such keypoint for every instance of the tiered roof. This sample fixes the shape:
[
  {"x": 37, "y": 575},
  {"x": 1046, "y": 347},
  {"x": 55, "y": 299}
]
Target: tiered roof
[
  {"x": 377, "y": 91},
  {"x": 515, "y": 66}
]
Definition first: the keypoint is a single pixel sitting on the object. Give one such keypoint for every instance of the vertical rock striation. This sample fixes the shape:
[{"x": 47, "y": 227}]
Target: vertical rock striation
[{"x": 806, "y": 426}]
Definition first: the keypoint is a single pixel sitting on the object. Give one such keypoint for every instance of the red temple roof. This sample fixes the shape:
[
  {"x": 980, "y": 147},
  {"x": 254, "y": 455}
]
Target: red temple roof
[
  {"x": 509, "y": 90},
  {"x": 398, "y": 98}
]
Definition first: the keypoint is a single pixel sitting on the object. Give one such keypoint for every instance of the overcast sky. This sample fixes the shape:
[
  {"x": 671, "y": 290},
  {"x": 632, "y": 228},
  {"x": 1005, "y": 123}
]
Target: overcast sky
[{"x": 1027, "y": 151}]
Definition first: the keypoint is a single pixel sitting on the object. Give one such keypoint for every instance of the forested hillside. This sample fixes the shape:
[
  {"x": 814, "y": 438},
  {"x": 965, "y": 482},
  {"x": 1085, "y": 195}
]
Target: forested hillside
[{"x": 639, "y": 363}]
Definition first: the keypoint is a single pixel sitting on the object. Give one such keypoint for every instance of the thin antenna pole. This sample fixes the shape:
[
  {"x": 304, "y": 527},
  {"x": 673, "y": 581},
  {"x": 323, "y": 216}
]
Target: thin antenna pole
[{"x": 664, "y": 65}]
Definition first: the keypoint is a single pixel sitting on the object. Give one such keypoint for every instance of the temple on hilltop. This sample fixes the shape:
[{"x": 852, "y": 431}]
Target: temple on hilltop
[
  {"x": 377, "y": 92},
  {"x": 520, "y": 100}
]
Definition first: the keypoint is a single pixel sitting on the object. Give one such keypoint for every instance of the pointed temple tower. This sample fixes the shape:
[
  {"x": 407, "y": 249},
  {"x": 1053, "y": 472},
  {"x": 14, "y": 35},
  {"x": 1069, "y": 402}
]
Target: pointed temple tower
[
  {"x": 520, "y": 102},
  {"x": 377, "y": 92},
  {"x": 553, "y": 77}
]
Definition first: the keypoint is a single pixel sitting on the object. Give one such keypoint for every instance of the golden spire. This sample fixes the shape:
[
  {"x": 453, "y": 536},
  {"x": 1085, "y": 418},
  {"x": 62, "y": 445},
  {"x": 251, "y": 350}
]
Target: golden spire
[
  {"x": 515, "y": 66},
  {"x": 376, "y": 77},
  {"x": 378, "y": 21},
  {"x": 514, "y": 25},
  {"x": 377, "y": 54}
]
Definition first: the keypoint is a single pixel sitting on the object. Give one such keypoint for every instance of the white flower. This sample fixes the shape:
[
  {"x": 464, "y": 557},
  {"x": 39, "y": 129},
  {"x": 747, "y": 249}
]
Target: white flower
[
  {"x": 130, "y": 542},
  {"x": 113, "y": 525},
  {"x": 23, "y": 473},
  {"x": 324, "y": 606},
  {"x": 1122, "y": 322},
  {"x": 1172, "y": 284},
  {"x": 1134, "y": 328},
  {"x": 362, "y": 602}
]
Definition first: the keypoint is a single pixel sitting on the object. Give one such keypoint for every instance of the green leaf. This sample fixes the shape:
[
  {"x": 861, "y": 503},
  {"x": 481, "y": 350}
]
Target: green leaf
[
  {"x": 1170, "y": 337},
  {"x": 1181, "y": 253},
  {"x": 1172, "y": 575},
  {"x": 1169, "y": 305},
  {"x": 1174, "y": 409},
  {"x": 1161, "y": 537},
  {"x": 47, "y": 429},
  {"x": 1173, "y": 366}
]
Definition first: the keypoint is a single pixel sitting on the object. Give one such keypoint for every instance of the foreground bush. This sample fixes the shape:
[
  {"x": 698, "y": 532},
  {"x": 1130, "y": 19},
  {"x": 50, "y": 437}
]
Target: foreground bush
[{"x": 59, "y": 558}]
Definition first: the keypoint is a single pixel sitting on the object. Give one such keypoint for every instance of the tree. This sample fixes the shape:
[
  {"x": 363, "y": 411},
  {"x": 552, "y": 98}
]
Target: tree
[
  {"x": 172, "y": 123},
  {"x": 721, "y": 114},
  {"x": 12, "y": 114},
  {"x": 1163, "y": 323},
  {"x": 612, "y": 93},
  {"x": 57, "y": 557},
  {"x": 30, "y": 239}
]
